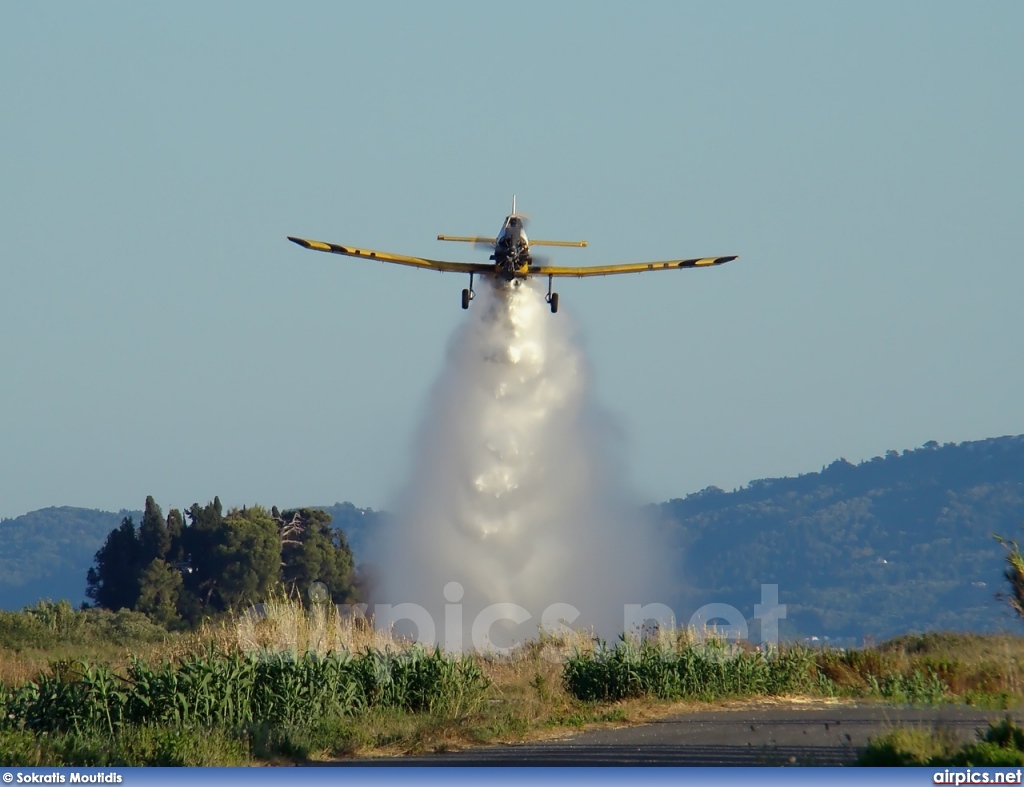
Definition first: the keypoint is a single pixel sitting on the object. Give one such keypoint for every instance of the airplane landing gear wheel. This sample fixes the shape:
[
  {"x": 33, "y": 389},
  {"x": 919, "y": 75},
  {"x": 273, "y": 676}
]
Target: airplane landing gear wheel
[
  {"x": 468, "y": 295},
  {"x": 552, "y": 297}
]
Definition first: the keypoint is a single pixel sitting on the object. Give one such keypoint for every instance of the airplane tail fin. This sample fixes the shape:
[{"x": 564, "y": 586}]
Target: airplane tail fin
[
  {"x": 467, "y": 239},
  {"x": 480, "y": 243},
  {"x": 578, "y": 244}
]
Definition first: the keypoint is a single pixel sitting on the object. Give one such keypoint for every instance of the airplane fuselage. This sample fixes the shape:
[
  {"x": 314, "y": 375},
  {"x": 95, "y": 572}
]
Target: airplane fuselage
[{"x": 512, "y": 250}]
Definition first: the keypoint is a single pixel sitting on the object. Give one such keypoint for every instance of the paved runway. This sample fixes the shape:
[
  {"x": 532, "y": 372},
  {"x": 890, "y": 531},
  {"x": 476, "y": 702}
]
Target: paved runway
[{"x": 777, "y": 734}]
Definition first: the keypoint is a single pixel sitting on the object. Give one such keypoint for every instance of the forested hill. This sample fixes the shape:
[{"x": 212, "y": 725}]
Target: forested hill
[
  {"x": 46, "y": 553},
  {"x": 898, "y": 543}
]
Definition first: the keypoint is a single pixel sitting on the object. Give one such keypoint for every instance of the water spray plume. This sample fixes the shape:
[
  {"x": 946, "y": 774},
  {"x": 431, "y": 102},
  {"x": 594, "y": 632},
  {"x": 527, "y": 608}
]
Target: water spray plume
[{"x": 516, "y": 491}]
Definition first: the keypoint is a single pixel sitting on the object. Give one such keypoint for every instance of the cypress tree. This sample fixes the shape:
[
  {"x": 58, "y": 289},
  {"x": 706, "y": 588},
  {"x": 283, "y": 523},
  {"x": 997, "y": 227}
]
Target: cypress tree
[
  {"x": 114, "y": 581},
  {"x": 153, "y": 535}
]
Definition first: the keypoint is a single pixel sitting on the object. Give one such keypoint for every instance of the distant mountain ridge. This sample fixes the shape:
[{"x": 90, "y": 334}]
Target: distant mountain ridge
[
  {"x": 45, "y": 553},
  {"x": 894, "y": 544}
]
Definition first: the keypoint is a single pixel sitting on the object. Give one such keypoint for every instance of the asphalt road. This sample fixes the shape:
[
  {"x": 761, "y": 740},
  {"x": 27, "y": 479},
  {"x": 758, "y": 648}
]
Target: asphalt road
[{"x": 777, "y": 734}]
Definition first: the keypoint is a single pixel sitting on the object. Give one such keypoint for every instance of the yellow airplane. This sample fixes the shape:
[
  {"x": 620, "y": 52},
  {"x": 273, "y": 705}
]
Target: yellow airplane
[{"x": 511, "y": 258}]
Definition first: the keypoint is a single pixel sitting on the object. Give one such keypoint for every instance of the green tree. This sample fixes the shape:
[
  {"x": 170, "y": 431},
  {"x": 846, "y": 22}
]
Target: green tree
[
  {"x": 175, "y": 572},
  {"x": 159, "y": 586},
  {"x": 153, "y": 535},
  {"x": 199, "y": 542},
  {"x": 190, "y": 607},
  {"x": 114, "y": 581},
  {"x": 312, "y": 550},
  {"x": 176, "y": 531},
  {"x": 247, "y": 557}
]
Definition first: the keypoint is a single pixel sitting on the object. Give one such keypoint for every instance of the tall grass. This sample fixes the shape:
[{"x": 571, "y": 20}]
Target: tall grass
[
  {"x": 681, "y": 664},
  {"x": 883, "y": 674},
  {"x": 219, "y": 689},
  {"x": 686, "y": 670}
]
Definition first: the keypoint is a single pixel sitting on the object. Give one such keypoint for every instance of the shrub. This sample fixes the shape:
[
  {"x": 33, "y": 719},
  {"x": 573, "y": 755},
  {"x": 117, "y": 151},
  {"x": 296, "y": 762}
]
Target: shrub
[{"x": 1001, "y": 745}]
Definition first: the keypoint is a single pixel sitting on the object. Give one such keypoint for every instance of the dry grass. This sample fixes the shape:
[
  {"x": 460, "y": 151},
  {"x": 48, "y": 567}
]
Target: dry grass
[
  {"x": 968, "y": 663},
  {"x": 20, "y": 666},
  {"x": 284, "y": 625}
]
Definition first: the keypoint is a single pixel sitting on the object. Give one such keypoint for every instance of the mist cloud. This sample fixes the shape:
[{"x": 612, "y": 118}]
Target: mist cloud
[{"x": 516, "y": 492}]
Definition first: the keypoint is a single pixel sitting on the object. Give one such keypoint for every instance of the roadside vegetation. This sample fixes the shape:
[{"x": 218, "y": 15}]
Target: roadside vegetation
[
  {"x": 974, "y": 669},
  {"x": 1002, "y": 744},
  {"x": 294, "y": 683}
]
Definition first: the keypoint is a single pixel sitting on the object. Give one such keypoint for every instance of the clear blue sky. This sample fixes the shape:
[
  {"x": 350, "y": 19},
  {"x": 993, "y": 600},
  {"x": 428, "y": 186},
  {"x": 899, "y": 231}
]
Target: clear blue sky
[{"x": 160, "y": 336}]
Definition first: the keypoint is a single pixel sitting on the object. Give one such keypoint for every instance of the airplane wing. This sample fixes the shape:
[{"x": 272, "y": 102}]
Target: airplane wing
[
  {"x": 399, "y": 259},
  {"x": 629, "y": 267}
]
